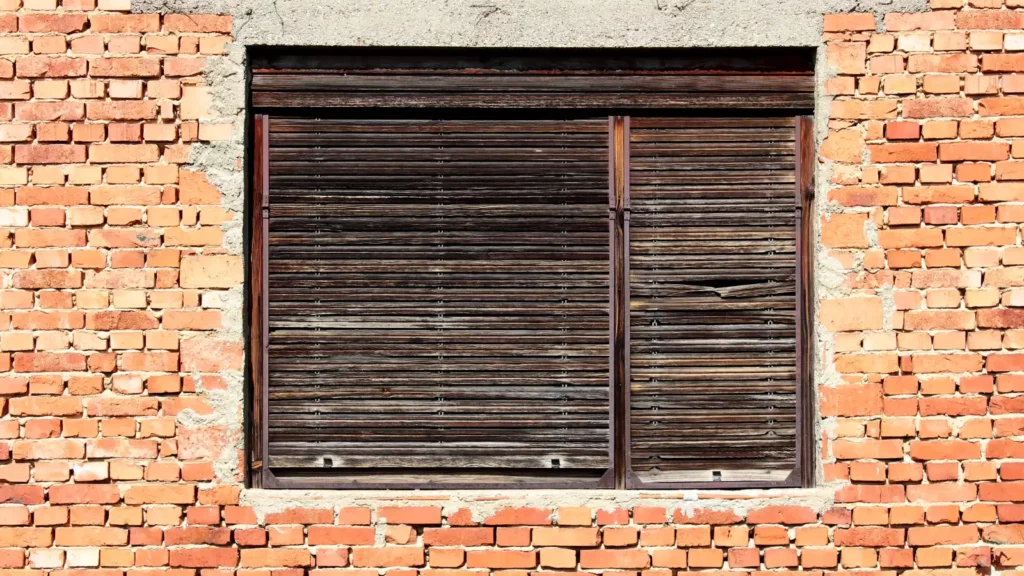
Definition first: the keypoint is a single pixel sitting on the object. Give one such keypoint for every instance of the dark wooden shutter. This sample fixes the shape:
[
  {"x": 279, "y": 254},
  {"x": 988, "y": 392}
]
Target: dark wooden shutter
[
  {"x": 713, "y": 269},
  {"x": 438, "y": 302},
  {"x": 446, "y": 272}
]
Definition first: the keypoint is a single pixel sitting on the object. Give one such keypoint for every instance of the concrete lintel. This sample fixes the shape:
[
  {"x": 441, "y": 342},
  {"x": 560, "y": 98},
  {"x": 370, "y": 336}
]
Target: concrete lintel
[{"x": 529, "y": 23}]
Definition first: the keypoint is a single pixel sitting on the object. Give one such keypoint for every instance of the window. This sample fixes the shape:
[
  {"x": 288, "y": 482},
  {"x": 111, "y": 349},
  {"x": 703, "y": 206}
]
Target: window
[{"x": 519, "y": 269}]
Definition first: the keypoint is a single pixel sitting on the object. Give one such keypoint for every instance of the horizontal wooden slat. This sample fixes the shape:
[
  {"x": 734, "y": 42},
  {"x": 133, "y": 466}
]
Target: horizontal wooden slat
[
  {"x": 534, "y": 100},
  {"x": 506, "y": 83}
]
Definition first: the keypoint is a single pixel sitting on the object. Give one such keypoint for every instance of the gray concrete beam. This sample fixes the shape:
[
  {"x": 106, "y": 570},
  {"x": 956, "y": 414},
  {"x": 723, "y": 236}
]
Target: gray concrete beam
[{"x": 529, "y": 23}]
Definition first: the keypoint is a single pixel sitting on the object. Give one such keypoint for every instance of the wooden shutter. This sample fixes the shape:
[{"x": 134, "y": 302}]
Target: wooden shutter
[
  {"x": 438, "y": 302},
  {"x": 447, "y": 294},
  {"x": 714, "y": 341}
]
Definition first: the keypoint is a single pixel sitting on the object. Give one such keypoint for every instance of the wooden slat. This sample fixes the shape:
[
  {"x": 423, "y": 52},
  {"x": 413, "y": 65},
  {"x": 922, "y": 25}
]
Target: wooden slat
[
  {"x": 422, "y": 314},
  {"x": 545, "y": 100},
  {"x": 713, "y": 273},
  {"x": 503, "y": 83}
]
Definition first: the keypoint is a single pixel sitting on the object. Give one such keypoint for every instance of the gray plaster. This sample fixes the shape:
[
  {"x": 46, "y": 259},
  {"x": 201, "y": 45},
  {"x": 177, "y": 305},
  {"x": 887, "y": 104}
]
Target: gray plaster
[{"x": 529, "y": 23}]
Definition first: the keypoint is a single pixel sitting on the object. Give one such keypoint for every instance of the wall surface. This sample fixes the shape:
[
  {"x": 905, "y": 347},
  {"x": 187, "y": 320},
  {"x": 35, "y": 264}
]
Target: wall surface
[{"x": 121, "y": 301}]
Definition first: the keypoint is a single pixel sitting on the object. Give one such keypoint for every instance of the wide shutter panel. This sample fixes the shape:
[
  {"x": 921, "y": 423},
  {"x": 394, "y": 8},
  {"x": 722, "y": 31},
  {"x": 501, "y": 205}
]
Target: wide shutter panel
[
  {"x": 439, "y": 301},
  {"x": 713, "y": 266}
]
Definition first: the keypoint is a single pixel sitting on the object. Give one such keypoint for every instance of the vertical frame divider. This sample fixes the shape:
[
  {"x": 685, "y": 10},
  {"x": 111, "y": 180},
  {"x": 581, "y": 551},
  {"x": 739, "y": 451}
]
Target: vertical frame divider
[
  {"x": 259, "y": 320},
  {"x": 805, "y": 441},
  {"x": 619, "y": 208}
]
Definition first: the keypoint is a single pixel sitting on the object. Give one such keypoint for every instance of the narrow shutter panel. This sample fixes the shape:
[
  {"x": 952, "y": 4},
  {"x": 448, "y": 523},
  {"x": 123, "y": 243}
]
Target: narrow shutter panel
[
  {"x": 713, "y": 301},
  {"x": 438, "y": 302}
]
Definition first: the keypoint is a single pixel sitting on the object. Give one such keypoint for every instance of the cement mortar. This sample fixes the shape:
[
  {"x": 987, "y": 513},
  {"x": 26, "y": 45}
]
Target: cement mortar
[
  {"x": 484, "y": 503},
  {"x": 509, "y": 23}
]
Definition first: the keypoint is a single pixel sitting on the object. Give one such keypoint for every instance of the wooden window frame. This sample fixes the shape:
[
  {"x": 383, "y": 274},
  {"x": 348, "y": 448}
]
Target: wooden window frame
[{"x": 619, "y": 475}]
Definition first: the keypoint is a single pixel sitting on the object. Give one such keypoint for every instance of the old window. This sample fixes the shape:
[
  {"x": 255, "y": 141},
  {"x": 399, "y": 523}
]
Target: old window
[{"x": 516, "y": 269}]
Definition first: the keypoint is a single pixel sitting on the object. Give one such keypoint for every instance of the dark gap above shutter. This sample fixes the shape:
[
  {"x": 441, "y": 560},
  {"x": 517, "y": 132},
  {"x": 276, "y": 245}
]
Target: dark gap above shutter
[
  {"x": 713, "y": 271},
  {"x": 438, "y": 301},
  {"x": 779, "y": 79}
]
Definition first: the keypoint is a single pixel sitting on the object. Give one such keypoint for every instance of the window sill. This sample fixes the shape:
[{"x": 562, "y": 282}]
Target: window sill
[{"x": 265, "y": 500}]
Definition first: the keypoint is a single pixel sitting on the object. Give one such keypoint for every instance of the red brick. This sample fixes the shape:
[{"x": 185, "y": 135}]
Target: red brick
[
  {"x": 84, "y": 494},
  {"x": 197, "y": 535},
  {"x": 898, "y": 22},
  {"x": 26, "y": 537},
  {"x": 567, "y": 537},
  {"x": 61, "y": 23},
  {"x": 204, "y": 557},
  {"x": 160, "y": 494},
  {"x": 941, "y": 535},
  {"x": 1001, "y": 106},
  {"x": 705, "y": 558},
  {"x": 335, "y": 535},
  {"x": 91, "y": 536},
  {"x": 938, "y": 108},
  {"x": 414, "y": 556},
  {"x": 416, "y": 515},
  {"x": 902, "y": 130},
  {"x": 982, "y": 151},
  {"x": 616, "y": 559},
  {"x": 990, "y": 20},
  {"x": 854, "y": 22},
  {"x": 275, "y": 557},
  {"x": 869, "y": 537},
  {"x": 879, "y": 449},
  {"x": 458, "y": 536},
  {"x": 121, "y": 23},
  {"x": 920, "y": 152},
  {"x": 944, "y": 450},
  {"x": 125, "y": 67},
  {"x": 51, "y": 67},
  {"x": 782, "y": 515},
  {"x": 49, "y": 154},
  {"x": 301, "y": 516}
]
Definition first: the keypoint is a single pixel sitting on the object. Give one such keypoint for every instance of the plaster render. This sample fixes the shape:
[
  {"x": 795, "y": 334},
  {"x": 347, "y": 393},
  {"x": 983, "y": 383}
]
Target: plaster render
[
  {"x": 529, "y": 23},
  {"x": 484, "y": 503}
]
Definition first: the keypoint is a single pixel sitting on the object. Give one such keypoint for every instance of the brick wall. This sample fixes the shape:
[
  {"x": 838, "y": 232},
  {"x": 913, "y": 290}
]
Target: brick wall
[{"x": 121, "y": 344}]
